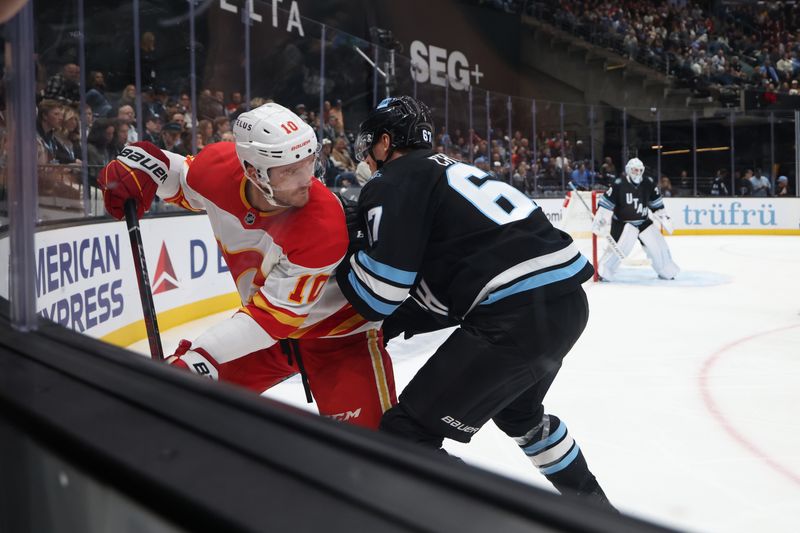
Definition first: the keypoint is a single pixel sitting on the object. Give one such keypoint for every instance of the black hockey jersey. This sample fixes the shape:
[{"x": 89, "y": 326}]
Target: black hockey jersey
[
  {"x": 632, "y": 203},
  {"x": 455, "y": 239}
]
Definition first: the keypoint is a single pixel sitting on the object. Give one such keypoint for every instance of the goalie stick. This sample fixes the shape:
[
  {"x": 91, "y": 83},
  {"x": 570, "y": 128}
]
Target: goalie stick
[
  {"x": 146, "y": 295},
  {"x": 611, "y": 242}
]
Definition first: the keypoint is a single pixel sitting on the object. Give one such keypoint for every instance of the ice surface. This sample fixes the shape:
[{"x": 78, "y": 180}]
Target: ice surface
[{"x": 684, "y": 395}]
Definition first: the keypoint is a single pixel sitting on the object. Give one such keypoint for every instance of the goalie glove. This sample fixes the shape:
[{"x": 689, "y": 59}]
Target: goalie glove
[
  {"x": 136, "y": 173},
  {"x": 601, "y": 225},
  {"x": 663, "y": 219}
]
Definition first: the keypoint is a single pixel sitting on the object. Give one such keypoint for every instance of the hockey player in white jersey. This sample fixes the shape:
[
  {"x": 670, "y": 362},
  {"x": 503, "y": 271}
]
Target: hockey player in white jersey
[
  {"x": 627, "y": 211},
  {"x": 282, "y": 234}
]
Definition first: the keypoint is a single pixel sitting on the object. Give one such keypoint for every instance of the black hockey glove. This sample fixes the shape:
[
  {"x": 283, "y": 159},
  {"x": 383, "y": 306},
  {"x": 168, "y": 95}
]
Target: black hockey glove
[{"x": 355, "y": 226}]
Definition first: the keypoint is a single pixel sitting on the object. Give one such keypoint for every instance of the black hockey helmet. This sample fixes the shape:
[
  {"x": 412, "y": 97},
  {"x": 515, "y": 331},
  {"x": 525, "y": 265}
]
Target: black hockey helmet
[{"x": 406, "y": 120}]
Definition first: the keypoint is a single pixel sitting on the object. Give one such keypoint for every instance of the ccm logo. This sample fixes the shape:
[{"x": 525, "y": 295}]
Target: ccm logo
[{"x": 136, "y": 157}]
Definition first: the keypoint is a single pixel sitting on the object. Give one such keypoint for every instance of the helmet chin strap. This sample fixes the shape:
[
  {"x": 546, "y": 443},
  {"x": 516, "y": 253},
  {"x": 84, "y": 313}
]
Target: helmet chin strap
[
  {"x": 380, "y": 162},
  {"x": 267, "y": 194}
]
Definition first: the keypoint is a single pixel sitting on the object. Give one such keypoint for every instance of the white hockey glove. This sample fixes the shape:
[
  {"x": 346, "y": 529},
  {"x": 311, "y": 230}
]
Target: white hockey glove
[
  {"x": 661, "y": 218},
  {"x": 601, "y": 225}
]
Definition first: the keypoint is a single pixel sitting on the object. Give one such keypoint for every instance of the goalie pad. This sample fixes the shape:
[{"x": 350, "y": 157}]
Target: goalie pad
[
  {"x": 601, "y": 225},
  {"x": 655, "y": 246},
  {"x": 609, "y": 262}
]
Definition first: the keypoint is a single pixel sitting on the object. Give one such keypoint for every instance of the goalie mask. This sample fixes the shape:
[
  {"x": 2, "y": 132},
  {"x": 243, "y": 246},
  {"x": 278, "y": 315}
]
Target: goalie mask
[
  {"x": 272, "y": 136},
  {"x": 406, "y": 120},
  {"x": 634, "y": 170}
]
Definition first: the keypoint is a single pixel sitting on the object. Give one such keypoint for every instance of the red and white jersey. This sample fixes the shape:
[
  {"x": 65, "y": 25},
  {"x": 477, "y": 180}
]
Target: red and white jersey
[{"x": 282, "y": 261}]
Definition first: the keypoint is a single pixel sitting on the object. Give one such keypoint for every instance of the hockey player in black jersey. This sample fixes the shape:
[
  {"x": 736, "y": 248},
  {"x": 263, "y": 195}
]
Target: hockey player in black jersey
[
  {"x": 627, "y": 210},
  {"x": 476, "y": 253}
]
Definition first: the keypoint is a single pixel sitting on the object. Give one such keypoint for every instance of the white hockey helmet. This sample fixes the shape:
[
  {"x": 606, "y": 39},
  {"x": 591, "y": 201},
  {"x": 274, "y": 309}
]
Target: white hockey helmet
[
  {"x": 634, "y": 170},
  {"x": 271, "y": 136}
]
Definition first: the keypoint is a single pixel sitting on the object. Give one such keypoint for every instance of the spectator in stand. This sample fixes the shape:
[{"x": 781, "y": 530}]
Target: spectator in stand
[
  {"x": 122, "y": 132},
  {"x": 96, "y": 95},
  {"x": 64, "y": 86},
  {"x": 580, "y": 177},
  {"x": 69, "y": 136},
  {"x": 209, "y": 107},
  {"x": 782, "y": 186},
  {"x": 341, "y": 156},
  {"x": 234, "y": 104},
  {"x": 152, "y": 129},
  {"x": 520, "y": 177},
  {"x": 719, "y": 186},
  {"x": 336, "y": 110},
  {"x": 185, "y": 106},
  {"x": 785, "y": 66},
  {"x": 221, "y": 126},
  {"x": 326, "y": 161},
  {"x": 744, "y": 185},
  {"x": 330, "y": 127},
  {"x": 149, "y": 58},
  {"x": 761, "y": 184},
  {"x": 171, "y": 139},
  {"x": 684, "y": 182},
  {"x": 794, "y": 89},
  {"x": 150, "y": 104},
  {"x": 100, "y": 147},
  {"x": 126, "y": 114},
  {"x": 608, "y": 172},
  {"x": 205, "y": 131},
  {"x": 228, "y": 137},
  {"x": 665, "y": 185},
  {"x": 50, "y": 118},
  {"x": 128, "y": 96}
]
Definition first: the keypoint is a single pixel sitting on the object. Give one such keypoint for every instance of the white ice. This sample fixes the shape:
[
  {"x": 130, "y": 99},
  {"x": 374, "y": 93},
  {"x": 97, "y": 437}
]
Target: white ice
[{"x": 684, "y": 395}]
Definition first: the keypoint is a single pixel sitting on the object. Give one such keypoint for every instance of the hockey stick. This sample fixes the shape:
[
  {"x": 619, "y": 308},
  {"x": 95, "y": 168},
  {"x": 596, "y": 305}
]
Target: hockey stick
[
  {"x": 146, "y": 295},
  {"x": 611, "y": 242}
]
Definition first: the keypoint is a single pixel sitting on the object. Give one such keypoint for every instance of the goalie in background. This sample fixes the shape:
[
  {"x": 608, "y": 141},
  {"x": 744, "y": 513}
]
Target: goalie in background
[{"x": 632, "y": 208}]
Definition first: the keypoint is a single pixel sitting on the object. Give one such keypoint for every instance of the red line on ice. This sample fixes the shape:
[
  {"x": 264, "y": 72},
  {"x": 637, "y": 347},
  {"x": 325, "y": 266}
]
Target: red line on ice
[{"x": 720, "y": 417}]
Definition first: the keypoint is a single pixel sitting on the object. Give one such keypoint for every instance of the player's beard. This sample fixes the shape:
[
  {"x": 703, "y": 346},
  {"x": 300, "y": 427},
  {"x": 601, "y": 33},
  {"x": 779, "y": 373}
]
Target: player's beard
[{"x": 297, "y": 197}]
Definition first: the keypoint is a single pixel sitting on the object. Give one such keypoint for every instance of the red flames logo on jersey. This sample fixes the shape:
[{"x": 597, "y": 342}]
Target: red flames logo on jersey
[{"x": 165, "y": 274}]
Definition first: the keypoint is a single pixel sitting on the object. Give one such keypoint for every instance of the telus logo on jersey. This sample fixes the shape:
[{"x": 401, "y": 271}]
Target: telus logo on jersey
[
  {"x": 730, "y": 215},
  {"x": 434, "y": 64}
]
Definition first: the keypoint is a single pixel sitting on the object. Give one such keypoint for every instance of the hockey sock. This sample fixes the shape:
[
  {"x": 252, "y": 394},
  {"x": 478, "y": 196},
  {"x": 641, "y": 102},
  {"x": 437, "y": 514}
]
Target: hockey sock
[{"x": 559, "y": 458}]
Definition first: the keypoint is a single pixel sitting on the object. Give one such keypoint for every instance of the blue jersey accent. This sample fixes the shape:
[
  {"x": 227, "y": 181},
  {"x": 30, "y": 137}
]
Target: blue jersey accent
[
  {"x": 538, "y": 280},
  {"x": 403, "y": 278},
  {"x": 605, "y": 202},
  {"x": 563, "y": 463},
  {"x": 542, "y": 444},
  {"x": 376, "y": 305}
]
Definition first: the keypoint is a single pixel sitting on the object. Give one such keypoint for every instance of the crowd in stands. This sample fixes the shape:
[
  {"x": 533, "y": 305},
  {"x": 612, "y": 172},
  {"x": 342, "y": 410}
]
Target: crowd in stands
[
  {"x": 706, "y": 47},
  {"x": 750, "y": 45}
]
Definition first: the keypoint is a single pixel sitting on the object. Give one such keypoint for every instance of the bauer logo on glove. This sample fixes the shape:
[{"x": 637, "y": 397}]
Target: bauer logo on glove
[{"x": 135, "y": 157}]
